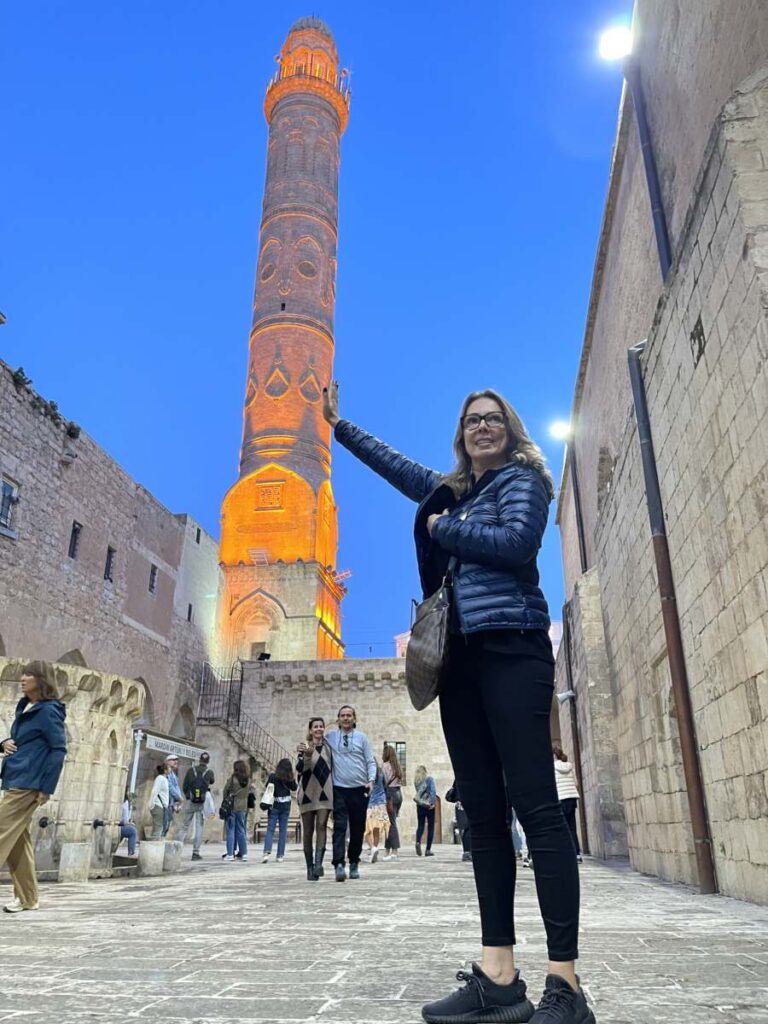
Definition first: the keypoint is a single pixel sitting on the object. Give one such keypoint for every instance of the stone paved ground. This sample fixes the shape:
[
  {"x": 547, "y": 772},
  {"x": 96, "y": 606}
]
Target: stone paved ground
[{"x": 258, "y": 943}]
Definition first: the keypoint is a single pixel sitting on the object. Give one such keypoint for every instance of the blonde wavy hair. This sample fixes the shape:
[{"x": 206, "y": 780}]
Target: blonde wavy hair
[{"x": 521, "y": 447}]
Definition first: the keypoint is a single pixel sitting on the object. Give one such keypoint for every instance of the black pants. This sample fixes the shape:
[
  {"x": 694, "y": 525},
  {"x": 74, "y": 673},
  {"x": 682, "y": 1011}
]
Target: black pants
[
  {"x": 495, "y": 712},
  {"x": 569, "y": 810},
  {"x": 349, "y": 808},
  {"x": 395, "y": 801},
  {"x": 425, "y": 816}
]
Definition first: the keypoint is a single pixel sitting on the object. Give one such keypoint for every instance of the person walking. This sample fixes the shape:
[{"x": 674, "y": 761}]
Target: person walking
[
  {"x": 128, "y": 828},
  {"x": 354, "y": 772},
  {"x": 426, "y": 800},
  {"x": 314, "y": 768},
  {"x": 462, "y": 822},
  {"x": 393, "y": 787},
  {"x": 33, "y": 756},
  {"x": 197, "y": 782},
  {"x": 235, "y": 797},
  {"x": 567, "y": 792},
  {"x": 376, "y": 817},
  {"x": 483, "y": 524},
  {"x": 174, "y": 803},
  {"x": 285, "y": 784},
  {"x": 159, "y": 799}
]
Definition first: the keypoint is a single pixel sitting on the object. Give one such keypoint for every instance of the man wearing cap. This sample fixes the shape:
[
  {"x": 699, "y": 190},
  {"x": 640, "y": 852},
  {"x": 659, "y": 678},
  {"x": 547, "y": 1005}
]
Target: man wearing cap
[
  {"x": 197, "y": 782},
  {"x": 175, "y": 792}
]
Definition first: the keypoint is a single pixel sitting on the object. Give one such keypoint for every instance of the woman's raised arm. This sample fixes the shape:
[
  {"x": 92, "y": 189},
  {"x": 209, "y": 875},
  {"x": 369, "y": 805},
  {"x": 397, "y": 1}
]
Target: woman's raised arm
[{"x": 410, "y": 478}]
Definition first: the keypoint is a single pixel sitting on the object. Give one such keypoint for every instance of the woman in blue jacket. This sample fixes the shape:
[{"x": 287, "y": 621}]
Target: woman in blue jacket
[
  {"x": 489, "y": 513},
  {"x": 33, "y": 757}
]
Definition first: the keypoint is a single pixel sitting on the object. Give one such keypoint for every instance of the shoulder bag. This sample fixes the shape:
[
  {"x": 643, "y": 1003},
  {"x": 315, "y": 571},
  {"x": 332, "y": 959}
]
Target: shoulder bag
[
  {"x": 268, "y": 797},
  {"x": 427, "y": 655}
]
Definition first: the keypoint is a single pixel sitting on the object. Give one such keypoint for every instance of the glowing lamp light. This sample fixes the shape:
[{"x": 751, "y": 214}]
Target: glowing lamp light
[
  {"x": 560, "y": 430},
  {"x": 615, "y": 43}
]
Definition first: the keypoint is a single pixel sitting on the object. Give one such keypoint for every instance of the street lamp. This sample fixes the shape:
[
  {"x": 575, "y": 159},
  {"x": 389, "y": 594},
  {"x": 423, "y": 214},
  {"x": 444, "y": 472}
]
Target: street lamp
[{"x": 616, "y": 44}]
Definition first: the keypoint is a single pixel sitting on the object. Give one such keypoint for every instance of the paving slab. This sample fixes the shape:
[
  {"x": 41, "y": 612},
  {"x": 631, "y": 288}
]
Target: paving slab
[{"x": 226, "y": 943}]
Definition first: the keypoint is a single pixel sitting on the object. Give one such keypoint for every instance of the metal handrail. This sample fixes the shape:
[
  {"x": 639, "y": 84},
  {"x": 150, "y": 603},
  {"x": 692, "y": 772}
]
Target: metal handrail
[{"x": 220, "y": 704}]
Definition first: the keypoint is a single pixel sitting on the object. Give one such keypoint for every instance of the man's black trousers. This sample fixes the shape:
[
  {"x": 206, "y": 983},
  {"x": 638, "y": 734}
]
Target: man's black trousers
[{"x": 350, "y": 807}]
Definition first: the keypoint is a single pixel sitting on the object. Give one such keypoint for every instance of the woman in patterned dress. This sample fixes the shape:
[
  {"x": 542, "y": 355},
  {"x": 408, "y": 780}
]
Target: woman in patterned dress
[{"x": 315, "y": 795}]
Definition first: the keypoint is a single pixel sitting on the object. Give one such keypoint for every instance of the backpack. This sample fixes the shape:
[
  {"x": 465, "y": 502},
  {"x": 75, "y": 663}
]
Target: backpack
[{"x": 198, "y": 784}]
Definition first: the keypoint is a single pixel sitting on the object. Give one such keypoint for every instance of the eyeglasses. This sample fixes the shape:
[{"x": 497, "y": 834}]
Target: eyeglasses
[
  {"x": 346, "y": 740},
  {"x": 494, "y": 420}
]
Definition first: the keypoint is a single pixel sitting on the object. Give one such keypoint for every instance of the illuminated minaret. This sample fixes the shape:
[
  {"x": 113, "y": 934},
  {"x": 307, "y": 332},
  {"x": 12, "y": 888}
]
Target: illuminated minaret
[{"x": 278, "y": 521}]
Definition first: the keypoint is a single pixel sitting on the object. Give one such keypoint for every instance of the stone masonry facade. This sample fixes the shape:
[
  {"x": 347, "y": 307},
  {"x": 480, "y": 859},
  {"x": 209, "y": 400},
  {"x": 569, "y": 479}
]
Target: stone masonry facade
[
  {"x": 706, "y": 379},
  {"x": 146, "y": 611}
]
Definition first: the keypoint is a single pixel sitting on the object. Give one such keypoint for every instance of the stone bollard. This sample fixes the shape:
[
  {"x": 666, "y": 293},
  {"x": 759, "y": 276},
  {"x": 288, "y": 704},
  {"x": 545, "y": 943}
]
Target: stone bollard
[
  {"x": 75, "y": 862},
  {"x": 172, "y": 855},
  {"x": 151, "y": 856}
]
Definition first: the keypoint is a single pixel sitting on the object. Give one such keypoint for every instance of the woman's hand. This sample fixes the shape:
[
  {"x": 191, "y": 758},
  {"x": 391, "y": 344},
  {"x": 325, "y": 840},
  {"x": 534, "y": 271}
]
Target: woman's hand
[
  {"x": 42, "y": 798},
  {"x": 433, "y": 519},
  {"x": 9, "y": 747},
  {"x": 331, "y": 403}
]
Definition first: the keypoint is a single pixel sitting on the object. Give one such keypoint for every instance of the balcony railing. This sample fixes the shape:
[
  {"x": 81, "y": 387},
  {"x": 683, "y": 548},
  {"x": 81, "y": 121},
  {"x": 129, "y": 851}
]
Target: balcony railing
[{"x": 321, "y": 72}]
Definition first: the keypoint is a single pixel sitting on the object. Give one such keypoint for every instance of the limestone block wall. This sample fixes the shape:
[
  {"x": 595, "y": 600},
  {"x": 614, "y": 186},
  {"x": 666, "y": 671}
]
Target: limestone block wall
[
  {"x": 596, "y": 715},
  {"x": 62, "y": 608},
  {"x": 706, "y": 376},
  {"x": 101, "y": 709},
  {"x": 283, "y": 696}
]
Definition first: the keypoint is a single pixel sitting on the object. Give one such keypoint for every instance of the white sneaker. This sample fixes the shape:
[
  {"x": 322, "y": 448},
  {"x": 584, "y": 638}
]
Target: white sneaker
[
  {"x": 229, "y": 860},
  {"x": 265, "y": 858},
  {"x": 390, "y": 856},
  {"x": 17, "y": 906},
  {"x": 374, "y": 854},
  {"x": 279, "y": 860},
  {"x": 244, "y": 858}
]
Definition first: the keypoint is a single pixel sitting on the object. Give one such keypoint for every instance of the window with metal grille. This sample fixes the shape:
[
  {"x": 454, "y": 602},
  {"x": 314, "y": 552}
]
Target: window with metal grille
[
  {"x": 8, "y": 498},
  {"x": 109, "y": 565},
  {"x": 74, "y": 539},
  {"x": 400, "y": 751},
  {"x": 152, "y": 579}
]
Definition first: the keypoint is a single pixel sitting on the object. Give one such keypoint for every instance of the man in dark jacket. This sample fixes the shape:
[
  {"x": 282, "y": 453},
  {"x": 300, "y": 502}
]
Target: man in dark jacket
[{"x": 33, "y": 757}]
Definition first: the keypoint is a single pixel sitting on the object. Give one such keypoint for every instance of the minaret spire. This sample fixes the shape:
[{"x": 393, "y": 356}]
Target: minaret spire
[{"x": 279, "y": 532}]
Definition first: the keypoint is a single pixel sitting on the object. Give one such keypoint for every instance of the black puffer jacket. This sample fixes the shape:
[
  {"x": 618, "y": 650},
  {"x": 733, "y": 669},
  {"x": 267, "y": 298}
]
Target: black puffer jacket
[{"x": 497, "y": 583}]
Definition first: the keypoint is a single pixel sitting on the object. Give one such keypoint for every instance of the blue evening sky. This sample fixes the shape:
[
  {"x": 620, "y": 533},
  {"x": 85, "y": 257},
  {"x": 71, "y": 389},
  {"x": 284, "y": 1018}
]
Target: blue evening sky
[{"x": 472, "y": 183}]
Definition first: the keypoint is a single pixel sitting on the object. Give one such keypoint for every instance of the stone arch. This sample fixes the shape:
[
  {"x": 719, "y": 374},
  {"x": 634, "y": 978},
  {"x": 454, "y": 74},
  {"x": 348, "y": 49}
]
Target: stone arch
[
  {"x": 147, "y": 716},
  {"x": 112, "y": 748},
  {"x": 73, "y": 657},
  {"x": 255, "y": 621},
  {"x": 184, "y": 723},
  {"x": 133, "y": 702},
  {"x": 116, "y": 698}
]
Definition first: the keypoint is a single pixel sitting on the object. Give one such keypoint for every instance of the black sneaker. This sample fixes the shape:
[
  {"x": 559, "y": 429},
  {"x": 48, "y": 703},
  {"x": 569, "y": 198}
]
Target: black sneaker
[
  {"x": 354, "y": 870},
  {"x": 561, "y": 1005},
  {"x": 418, "y": 849},
  {"x": 196, "y": 856},
  {"x": 480, "y": 1000}
]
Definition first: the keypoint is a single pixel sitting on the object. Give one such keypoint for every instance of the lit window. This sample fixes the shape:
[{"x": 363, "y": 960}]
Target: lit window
[
  {"x": 74, "y": 539},
  {"x": 153, "y": 579}
]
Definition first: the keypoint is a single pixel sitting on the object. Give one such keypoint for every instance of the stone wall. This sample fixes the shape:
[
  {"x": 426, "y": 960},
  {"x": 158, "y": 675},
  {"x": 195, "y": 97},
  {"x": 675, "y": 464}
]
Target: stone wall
[
  {"x": 596, "y": 716},
  {"x": 283, "y": 696},
  {"x": 706, "y": 374},
  {"x": 56, "y": 607},
  {"x": 101, "y": 709}
]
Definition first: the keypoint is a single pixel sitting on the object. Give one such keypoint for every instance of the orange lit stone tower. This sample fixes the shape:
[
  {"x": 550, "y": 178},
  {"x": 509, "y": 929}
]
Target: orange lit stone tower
[{"x": 278, "y": 522}]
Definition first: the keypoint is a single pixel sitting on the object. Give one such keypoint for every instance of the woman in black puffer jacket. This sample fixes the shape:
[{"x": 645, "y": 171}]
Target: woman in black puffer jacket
[{"x": 490, "y": 514}]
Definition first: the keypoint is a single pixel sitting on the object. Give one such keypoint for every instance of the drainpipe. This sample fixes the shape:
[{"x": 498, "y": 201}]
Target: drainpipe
[
  {"x": 575, "y": 743},
  {"x": 680, "y": 688},
  {"x": 635, "y": 84}
]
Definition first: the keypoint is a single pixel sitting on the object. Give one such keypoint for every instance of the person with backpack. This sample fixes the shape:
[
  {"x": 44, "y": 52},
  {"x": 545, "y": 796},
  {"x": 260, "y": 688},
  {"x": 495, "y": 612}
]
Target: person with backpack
[
  {"x": 234, "y": 810},
  {"x": 197, "y": 782},
  {"x": 426, "y": 799}
]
